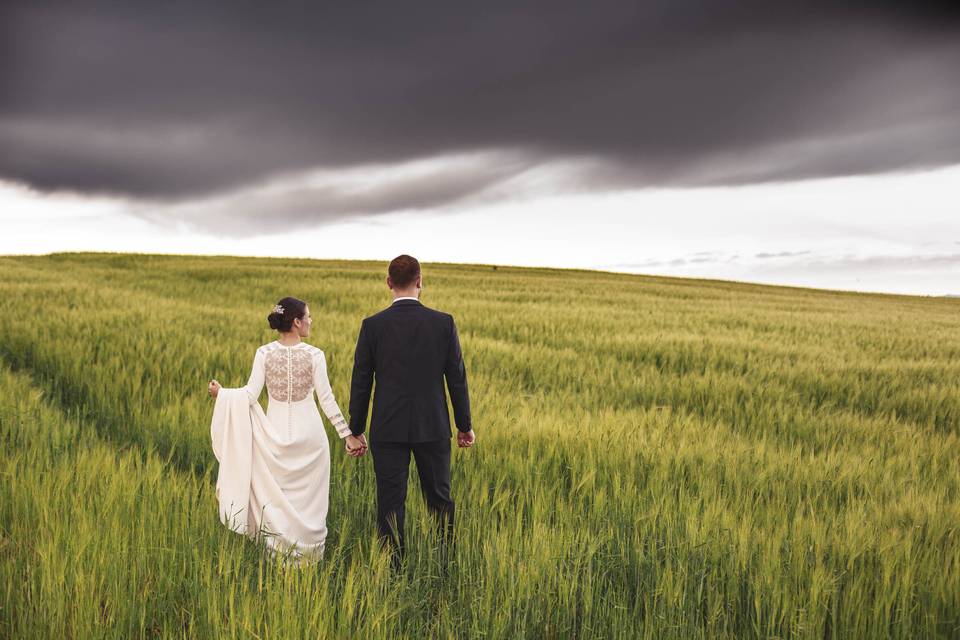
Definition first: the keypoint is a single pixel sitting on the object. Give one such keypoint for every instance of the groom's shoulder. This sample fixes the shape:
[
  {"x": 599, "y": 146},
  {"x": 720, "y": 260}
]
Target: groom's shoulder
[
  {"x": 385, "y": 314},
  {"x": 439, "y": 315},
  {"x": 439, "y": 319},
  {"x": 376, "y": 317}
]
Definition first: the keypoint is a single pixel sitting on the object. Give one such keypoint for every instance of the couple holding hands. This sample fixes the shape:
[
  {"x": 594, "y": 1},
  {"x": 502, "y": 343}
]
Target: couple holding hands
[{"x": 274, "y": 476}]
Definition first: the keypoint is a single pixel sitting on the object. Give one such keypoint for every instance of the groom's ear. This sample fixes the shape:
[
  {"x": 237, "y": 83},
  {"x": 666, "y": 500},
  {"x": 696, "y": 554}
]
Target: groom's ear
[{"x": 389, "y": 283}]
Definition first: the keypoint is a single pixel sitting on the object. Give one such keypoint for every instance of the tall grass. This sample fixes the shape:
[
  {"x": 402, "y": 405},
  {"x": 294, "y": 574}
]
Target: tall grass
[{"x": 657, "y": 458}]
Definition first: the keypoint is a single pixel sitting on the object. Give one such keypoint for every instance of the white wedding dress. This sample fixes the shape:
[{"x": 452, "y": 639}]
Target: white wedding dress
[{"x": 274, "y": 477}]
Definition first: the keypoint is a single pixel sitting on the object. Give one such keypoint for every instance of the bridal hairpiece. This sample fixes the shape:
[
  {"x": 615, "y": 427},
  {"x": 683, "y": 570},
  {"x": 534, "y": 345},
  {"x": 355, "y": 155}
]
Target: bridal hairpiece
[{"x": 277, "y": 309}]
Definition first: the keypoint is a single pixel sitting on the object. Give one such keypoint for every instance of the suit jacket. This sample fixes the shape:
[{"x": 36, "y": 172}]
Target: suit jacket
[{"x": 409, "y": 349}]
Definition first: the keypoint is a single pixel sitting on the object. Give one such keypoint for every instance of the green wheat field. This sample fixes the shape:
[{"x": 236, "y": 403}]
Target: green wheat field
[{"x": 656, "y": 458}]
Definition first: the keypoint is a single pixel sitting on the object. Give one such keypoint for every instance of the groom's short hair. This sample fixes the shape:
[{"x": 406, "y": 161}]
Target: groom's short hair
[{"x": 403, "y": 271}]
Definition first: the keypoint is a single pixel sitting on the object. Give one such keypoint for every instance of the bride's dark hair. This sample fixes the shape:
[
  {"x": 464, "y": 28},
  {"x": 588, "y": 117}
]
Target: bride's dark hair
[{"x": 285, "y": 312}]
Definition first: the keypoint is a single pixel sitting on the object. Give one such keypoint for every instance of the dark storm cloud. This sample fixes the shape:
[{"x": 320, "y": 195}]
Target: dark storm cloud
[{"x": 169, "y": 101}]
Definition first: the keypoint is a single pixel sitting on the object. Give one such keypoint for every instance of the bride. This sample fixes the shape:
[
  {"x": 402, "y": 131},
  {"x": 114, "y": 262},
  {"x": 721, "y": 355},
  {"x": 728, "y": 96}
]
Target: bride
[{"x": 274, "y": 477}]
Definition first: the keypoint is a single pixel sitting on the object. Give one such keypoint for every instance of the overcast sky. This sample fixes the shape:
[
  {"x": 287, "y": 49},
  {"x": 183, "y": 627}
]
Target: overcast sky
[{"x": 812, "y": 143}]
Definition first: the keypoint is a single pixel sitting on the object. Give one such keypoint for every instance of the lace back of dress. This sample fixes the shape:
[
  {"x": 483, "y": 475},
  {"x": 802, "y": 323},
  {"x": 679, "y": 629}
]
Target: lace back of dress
[{"x": 289, "y": 374}]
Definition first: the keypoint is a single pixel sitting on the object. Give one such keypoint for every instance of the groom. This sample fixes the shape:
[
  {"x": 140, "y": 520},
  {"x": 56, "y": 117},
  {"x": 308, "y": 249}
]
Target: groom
[{"x": 410, "y": 349}]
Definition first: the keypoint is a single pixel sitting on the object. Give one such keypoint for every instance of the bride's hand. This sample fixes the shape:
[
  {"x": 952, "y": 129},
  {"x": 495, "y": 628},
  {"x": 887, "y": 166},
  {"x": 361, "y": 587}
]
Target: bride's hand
[
  {"x": 356, "y": 446},
  {"x": 213, "y": 388}
]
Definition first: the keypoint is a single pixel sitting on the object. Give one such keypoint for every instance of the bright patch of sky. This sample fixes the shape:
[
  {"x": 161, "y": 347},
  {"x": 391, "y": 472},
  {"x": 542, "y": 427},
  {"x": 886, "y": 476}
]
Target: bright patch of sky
[{"x": 895, "y": 233}]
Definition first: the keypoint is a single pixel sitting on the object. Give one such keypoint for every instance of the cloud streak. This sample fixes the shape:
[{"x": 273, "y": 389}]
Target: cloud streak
[
  {"x": 808, "y": 259},
  {"x": 324, "y": 196}
]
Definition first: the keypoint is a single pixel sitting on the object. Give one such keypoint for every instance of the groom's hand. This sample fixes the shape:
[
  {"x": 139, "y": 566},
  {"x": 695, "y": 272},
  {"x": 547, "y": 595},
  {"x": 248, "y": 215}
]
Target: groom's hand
[
  {"x": 356, "y": 445},
  {"x": 466, "y": 439}
]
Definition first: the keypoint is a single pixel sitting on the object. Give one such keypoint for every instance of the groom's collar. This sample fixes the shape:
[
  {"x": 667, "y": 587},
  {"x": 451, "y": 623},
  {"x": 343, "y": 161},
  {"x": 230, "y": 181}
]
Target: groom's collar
[{"x": 405, "y": 298}]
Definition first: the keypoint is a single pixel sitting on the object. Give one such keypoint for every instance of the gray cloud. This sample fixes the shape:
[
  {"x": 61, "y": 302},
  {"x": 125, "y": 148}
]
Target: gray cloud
[
  {"x": 889, "y": 262},
  {"x": 697, "y": 258},
  {"x": 811, "y": 260},
  {"x": 180, "y": 104},
  {"x": 780, "y": 254},
  {"x": 326, "y": 196}
]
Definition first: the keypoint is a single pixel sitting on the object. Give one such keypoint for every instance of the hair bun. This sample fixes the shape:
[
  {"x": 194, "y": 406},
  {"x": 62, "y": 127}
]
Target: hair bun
[{"x": 285, "y": 312}]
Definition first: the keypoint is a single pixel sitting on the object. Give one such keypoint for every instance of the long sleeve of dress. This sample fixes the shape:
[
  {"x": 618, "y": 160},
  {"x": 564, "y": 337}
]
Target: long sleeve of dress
[
  {"x": 257, "y": 376},
  {"x": 325, "y": 396}
]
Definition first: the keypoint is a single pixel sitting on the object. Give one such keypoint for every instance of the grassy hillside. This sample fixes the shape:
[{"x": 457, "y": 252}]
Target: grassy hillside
[{"x": 656, "y": 457}]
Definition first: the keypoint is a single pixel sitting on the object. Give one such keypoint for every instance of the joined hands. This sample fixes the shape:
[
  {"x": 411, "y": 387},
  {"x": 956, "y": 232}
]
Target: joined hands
[{"x": 356, "y": 445}]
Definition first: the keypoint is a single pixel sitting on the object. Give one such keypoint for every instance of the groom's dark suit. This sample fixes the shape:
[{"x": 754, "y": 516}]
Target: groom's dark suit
[{"x": 409, "y": 349}]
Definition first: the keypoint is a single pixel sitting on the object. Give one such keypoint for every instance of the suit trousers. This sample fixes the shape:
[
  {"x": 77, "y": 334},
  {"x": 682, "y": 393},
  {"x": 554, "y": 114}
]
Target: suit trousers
[{"x": 391, "y": 461}]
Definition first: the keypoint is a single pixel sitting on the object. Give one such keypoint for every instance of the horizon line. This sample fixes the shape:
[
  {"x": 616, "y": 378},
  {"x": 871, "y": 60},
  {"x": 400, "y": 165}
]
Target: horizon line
[{"x": 591, "y": 269}]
